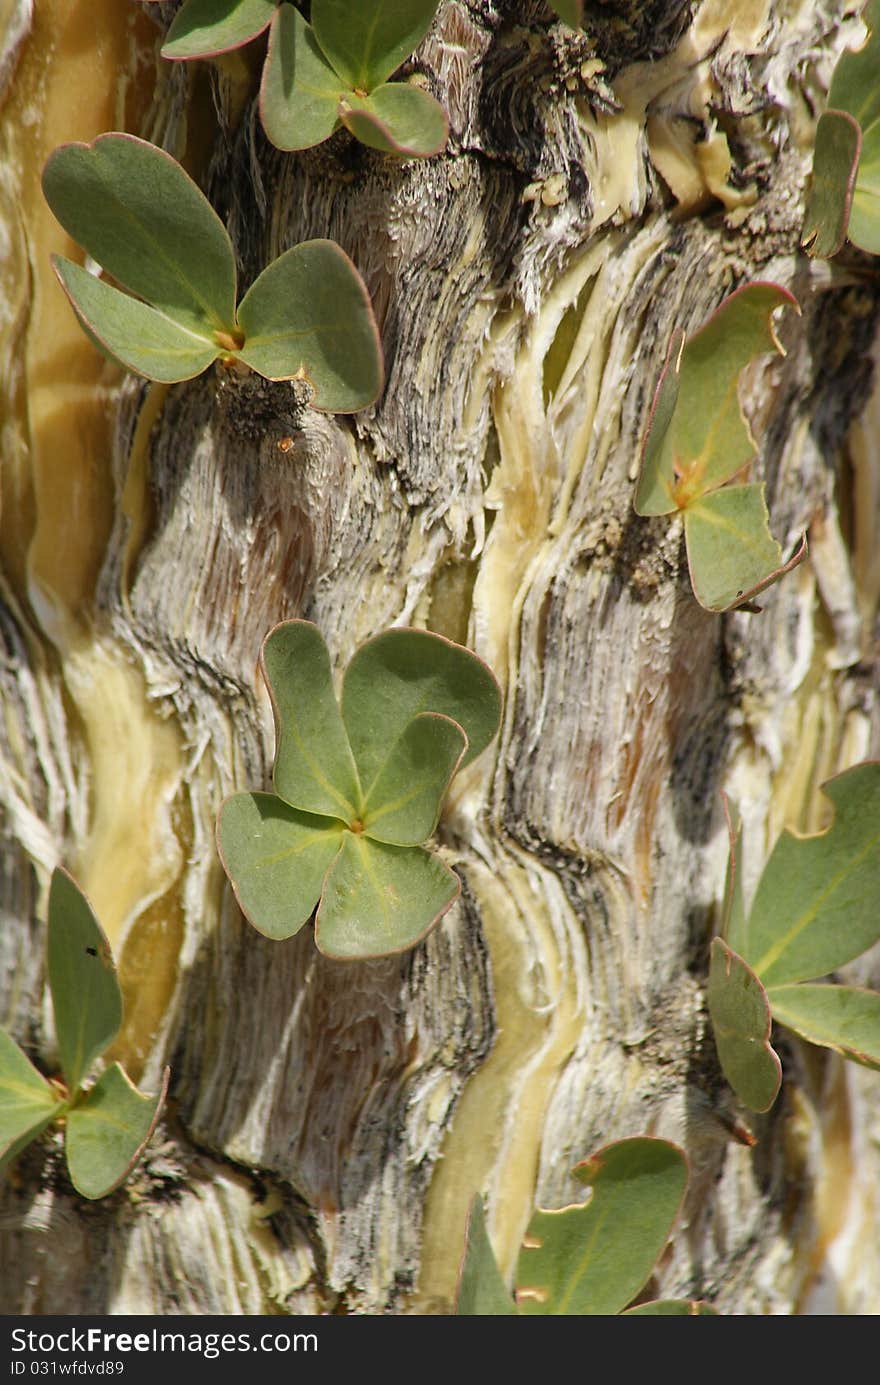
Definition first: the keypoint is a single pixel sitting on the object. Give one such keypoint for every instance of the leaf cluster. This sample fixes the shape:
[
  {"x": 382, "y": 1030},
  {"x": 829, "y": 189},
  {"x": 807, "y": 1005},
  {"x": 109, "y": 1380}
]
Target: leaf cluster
[
  {"x": 844, "y": 197},
  {"x": 141, "y": 217},
  {"x": 358, "y": 788},
  {"x": 815, "y": 909},
  {"x": 591, "y": 1258},
  {"x": 330, "y": 72},
  {"x": 698, "y": 441},
  {"x": 108, "y": 1124}
]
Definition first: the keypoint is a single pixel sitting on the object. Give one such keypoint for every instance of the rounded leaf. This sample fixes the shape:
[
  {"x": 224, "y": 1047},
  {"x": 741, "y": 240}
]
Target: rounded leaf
[
  {"x": 308, "y": 316},
  {"x": 130, "y": 332},
  {"x": 108, "y": 1132},
  {"x": 380, "y": 899},
  {"x": 732, "y": 556},
  {"x": 397, "y": 118},
  {"x": 402, "y": 672},
  {"x": 27, "y": 1102},
  {"x": 314, "y": 769},
  {"x": 864, "y": 220},
  {"x": 835, "y": 163},
  {"x": 406, "y": 796},
  {"x": 815, "y": 907},
  {"x": 276, "y": 859},
  {"x": 203, "y": 28},
  {"x": 702, "y": 439},
  {"x": 855, "y": 91},
  {"x": 299, "y": 91},
  {"x": 366, "y": 40},
  {"x": 82, "y": 978},
  {"x": 594, "y": 1258},
  {"x": 740, "y": 1014},
  {"x": 844, "y": 1018},
  {"x": 134, "y": 210}
]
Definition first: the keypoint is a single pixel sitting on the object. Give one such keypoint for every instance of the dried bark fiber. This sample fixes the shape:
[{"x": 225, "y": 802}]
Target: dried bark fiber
[{"x": 328, "y": 1123}]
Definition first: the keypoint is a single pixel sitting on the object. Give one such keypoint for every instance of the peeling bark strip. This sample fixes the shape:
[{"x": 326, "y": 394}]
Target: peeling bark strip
[{"x": 329, "y": 1123}]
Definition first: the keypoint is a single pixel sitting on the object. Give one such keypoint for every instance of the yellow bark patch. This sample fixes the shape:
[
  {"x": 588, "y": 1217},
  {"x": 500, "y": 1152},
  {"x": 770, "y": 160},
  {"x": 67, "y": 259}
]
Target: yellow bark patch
[
  {"x": 56, "y": 485},
  {"x": 132, "y": 853},
  {"x": 493, "y": 1143}
]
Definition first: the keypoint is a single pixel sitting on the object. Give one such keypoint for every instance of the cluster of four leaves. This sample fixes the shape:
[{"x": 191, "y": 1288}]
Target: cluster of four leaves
[
  {"x": 358, "y": 788},
  {"x": 108, "y": 1124},
  {"x": 330, "y": 72}
]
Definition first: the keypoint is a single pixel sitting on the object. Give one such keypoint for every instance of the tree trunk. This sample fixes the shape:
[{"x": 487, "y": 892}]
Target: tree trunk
[{"x": 329, "y": 1122}]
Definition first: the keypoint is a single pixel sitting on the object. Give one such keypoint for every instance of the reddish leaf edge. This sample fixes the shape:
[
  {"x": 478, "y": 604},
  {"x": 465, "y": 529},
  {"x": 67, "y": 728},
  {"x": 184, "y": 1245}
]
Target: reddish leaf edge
[
  {"x": 399, "y": 148},
  {"x": 89, "y": 327},
  {"x": 765, "y": 1037},
  {"x": 136, "y": 1157},
  {"x": 92, "y": 145},
  {"x": 853, "y": 1055},
  {"x": 367, "y": 303},
  {"x": 809, "y": 239},
  {"x": 215, "y": 52},
  {"x": 744, "y": 600},
  {"x": 389, "y": 951}
]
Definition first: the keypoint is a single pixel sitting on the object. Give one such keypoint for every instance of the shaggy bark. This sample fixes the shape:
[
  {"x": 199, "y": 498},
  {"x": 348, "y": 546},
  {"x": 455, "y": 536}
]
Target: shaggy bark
[{"x": 328, "y": 1123}]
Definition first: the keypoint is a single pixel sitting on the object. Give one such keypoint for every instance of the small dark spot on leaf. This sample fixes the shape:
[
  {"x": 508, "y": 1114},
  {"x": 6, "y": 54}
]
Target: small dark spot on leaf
[{"x": 92, "y": 951}]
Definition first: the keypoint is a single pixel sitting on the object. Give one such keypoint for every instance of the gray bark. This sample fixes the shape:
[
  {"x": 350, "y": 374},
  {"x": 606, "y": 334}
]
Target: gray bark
[{"x": 329, "y": 1122}]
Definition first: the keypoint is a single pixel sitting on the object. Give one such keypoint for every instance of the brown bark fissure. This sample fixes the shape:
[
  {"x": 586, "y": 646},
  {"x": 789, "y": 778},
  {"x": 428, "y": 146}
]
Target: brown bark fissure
[{"x": 328, "y": 1122}]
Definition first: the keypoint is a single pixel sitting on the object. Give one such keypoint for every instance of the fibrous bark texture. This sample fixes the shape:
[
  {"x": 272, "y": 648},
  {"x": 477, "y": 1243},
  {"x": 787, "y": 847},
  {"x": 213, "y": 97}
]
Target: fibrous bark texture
[{"x": 329, "y": 1122}]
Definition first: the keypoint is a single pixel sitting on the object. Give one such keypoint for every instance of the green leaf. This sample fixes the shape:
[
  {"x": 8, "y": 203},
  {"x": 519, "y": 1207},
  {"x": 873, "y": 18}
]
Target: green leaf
[
  {"x": 108, "y": 1131},
  {"x": 202, "y": 28},
  {"x": 594, "y": 1259},
  {"x": 132, "y": 332},
  {"x": 380, "y": 899},
  {"x": 277, "y": 859},
  {"x": 656, "y": 484},
  {"x": 82, "y": 978},
  {"x": 402, "y": 672},
  {"x": 845, "y": 1018},
  {"x": 481, "y": 1290},
  {"x": 571, "y": 12},
  {"x": 854, "y": 97},
  {"x": 404, "y": 802},
  {"x": 706, "y": 440},
  {"x": 367, "y": 40},
  {"x": 27, "y": 1102},
  {"x": 732, "y": 555},
  {"x": 672, "y": 1308},
  {"x": 829, "y": 202},
  {"x": 816, "y": 904},
  {"x": 854, "y": 86},
  {"x": 314, "y": 769},
  {"x": 136, "y": 212},
  {"x": 397, "y": 118},
  {"x": 740, "y": 1014},
  {"x": 864, "y": 221},
  {"x": 733, "y": 917},
  {"x": 308, "y": 315},
  {"x": 300, "y": 92}
]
